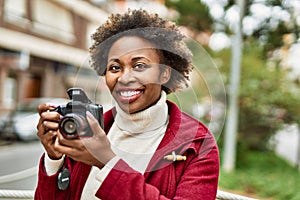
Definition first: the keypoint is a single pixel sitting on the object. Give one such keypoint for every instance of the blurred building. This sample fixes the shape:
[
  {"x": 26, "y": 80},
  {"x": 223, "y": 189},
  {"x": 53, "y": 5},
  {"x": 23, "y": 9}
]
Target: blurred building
[
  {"x": 44, "y": 45},
  {"x": 44, "y": 48}
]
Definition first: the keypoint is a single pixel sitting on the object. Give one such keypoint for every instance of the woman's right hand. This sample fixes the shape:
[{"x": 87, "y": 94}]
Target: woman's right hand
[{"x": 47, "y": 129}]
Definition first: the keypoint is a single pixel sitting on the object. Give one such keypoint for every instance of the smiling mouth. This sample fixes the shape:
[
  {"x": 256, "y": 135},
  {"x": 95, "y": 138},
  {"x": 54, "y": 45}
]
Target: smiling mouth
[{"x": 128, "y": 94}]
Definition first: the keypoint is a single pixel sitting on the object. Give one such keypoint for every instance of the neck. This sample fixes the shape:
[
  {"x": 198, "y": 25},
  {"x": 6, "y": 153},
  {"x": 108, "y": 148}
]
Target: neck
[{"x": 146, "y": 120}]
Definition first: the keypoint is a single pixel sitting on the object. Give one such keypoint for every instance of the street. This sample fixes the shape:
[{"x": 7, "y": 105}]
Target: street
[{"x": 19, "y": 165}]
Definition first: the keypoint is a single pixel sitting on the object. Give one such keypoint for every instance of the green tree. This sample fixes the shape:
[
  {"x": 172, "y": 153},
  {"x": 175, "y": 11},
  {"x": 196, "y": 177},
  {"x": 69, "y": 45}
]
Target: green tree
[
  {"x": 193, "y": 14},
  {"x": 280, "y": 18},
  {"x": 267, "y": 100}
]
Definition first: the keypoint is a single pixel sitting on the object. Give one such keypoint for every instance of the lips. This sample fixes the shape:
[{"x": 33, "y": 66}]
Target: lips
[{"x": 129, "y": 95}]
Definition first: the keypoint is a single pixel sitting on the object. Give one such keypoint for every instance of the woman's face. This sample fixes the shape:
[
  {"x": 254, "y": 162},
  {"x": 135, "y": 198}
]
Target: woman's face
[{"x": 133, "y": 75}]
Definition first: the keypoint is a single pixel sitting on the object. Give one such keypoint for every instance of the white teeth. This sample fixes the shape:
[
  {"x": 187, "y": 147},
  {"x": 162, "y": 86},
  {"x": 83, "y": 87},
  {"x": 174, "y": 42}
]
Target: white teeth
[{"x": 129, "y": 93}]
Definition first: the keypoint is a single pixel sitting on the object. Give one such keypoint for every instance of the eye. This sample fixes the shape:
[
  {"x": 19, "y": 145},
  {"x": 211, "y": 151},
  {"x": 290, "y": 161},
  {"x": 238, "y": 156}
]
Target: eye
[
  {"x": 114, "y": 68},
  {"x": 140, "y": 66}
]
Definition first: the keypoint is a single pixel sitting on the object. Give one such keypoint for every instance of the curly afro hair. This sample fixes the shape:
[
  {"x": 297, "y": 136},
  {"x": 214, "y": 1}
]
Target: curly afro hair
[{"x": 164, "y": 34}]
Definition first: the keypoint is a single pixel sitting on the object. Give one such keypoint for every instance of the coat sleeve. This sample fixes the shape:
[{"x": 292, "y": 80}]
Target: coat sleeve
[
  {"x": 199, "y": 180},
  {"x": 47, "y": 185},
  {"x": 125, "y": 183}
]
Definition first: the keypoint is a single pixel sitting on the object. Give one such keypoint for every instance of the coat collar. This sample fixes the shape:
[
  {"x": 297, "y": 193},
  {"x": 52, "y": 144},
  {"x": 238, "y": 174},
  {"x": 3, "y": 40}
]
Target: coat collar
[
  {"x": 183, "y": 133},
  {"x": 182, "y": 129}
]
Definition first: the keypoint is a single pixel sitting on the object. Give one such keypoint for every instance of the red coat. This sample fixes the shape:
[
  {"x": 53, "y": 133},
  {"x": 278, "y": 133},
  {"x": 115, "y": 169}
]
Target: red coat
[{"x": 194, "y": 178}]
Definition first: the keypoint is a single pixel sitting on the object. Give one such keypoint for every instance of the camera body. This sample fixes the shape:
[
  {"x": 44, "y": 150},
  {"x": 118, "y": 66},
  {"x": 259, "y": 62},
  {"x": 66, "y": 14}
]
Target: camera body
[{"x": 74, "y": 123}]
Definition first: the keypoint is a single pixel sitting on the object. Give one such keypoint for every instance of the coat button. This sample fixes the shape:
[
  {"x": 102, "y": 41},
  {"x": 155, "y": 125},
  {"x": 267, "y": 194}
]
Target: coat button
[{"x": 63, "y": 179}]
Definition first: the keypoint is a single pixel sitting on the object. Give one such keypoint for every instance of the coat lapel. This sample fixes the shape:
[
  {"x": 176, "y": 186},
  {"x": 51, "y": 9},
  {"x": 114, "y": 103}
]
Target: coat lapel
[{"x": 180, "y": 135}]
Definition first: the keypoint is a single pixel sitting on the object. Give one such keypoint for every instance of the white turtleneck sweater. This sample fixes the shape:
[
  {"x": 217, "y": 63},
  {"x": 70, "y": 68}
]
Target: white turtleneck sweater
[{"x": 133, "y": 137}]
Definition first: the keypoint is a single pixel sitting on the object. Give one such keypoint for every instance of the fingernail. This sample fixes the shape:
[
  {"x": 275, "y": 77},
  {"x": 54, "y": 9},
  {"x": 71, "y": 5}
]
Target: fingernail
[
  {"x": 52, "y": 105},
  {"x": 89, "y": 114}
]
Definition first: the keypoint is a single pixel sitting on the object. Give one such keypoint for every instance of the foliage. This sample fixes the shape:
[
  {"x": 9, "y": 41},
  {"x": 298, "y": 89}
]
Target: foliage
[
  {"x": 267, "y": 99},
  {"x": 192, "y": 14},
  {"x": 263, "y": 175},
  {"x": 267, "y": 21},
  {"x": 272, "y": 34}
]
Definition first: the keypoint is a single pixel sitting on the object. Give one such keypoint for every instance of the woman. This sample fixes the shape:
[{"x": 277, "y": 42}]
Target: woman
[{"x": 148, "y": 149}]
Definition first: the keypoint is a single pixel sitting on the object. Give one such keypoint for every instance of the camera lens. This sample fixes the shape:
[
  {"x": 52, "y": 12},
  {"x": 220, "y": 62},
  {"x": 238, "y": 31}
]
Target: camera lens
[{"x": 71, "y": 125}]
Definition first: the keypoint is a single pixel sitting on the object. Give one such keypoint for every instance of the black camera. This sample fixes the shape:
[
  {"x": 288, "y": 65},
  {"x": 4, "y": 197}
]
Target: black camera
[{"x": 74, "y": 123}]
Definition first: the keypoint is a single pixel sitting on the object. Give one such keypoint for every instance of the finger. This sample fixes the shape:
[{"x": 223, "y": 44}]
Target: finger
[
  {"x": 45, "y": 107},
  {"x": 40, "y": 132},
  {"x": 72, "y": 143},
  {"x": 49, "y": 125},
  {"x": 51, "y": 116},
  {"x": 40, "y": 127},
  {"x": 48, "y": 140},
  {"x": 71, "y": 149},
  {"x": 44, "y": 126},
  {"x": 94, "y": 125},
  {"x": 48, "y": 137},
  {"x": 50, "y": 147},
  {"x": 47, "y": 121}
]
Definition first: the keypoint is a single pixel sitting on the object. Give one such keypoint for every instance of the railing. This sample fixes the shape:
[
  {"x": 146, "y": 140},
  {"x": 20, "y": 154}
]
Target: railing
[
  {"x": 29, "y": 194},
  {"x": 221, "y": 195}
]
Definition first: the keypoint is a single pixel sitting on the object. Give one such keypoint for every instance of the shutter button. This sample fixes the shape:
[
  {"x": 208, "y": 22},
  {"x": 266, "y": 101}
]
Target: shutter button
[{"x": 63, "y": 179}]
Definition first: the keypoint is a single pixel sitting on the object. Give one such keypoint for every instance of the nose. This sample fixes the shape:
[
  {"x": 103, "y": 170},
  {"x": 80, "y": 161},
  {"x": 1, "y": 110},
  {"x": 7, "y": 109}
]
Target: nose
[{"x": 126, "y": 77}]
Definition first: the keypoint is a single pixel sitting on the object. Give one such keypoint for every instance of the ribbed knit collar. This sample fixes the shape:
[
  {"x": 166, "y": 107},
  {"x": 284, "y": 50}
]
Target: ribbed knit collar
[{"x": 145, "y": 121}]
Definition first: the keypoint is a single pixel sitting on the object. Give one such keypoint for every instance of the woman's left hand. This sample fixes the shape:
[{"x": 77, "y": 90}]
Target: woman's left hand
[{"x": 94, "y": 150}]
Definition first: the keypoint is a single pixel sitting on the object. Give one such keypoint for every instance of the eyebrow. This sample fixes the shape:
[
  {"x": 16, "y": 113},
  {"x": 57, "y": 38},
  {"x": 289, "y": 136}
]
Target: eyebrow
[
  {"x": 114, "y": 60},
  {"x": 133, "y": 59},
  {"x": 139, "y": 58}
]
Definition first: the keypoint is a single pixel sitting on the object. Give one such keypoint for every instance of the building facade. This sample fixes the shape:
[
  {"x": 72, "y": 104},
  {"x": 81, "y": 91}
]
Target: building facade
[{"x": 44, "y": 48}]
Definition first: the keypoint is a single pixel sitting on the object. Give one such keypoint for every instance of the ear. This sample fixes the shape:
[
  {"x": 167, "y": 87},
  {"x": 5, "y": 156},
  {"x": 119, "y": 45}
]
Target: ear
[{"x": 165, "y": 75}]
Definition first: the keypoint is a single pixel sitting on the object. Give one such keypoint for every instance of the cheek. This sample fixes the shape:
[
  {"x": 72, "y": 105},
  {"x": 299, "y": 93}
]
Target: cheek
[
  {"x": 150, "y": 78},
  {"x": 152, "y": 92},
  {"x": 110, "y": 82}
]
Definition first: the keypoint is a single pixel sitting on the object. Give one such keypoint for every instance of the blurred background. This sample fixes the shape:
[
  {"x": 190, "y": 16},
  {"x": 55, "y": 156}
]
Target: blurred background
[{"x": 245, "y": 85}]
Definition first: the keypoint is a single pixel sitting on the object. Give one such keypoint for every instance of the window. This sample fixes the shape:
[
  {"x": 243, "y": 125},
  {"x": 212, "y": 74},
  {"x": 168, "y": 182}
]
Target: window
[
  {"x": 52, "y": 21},
  {"x": 15, "y": 12}
]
